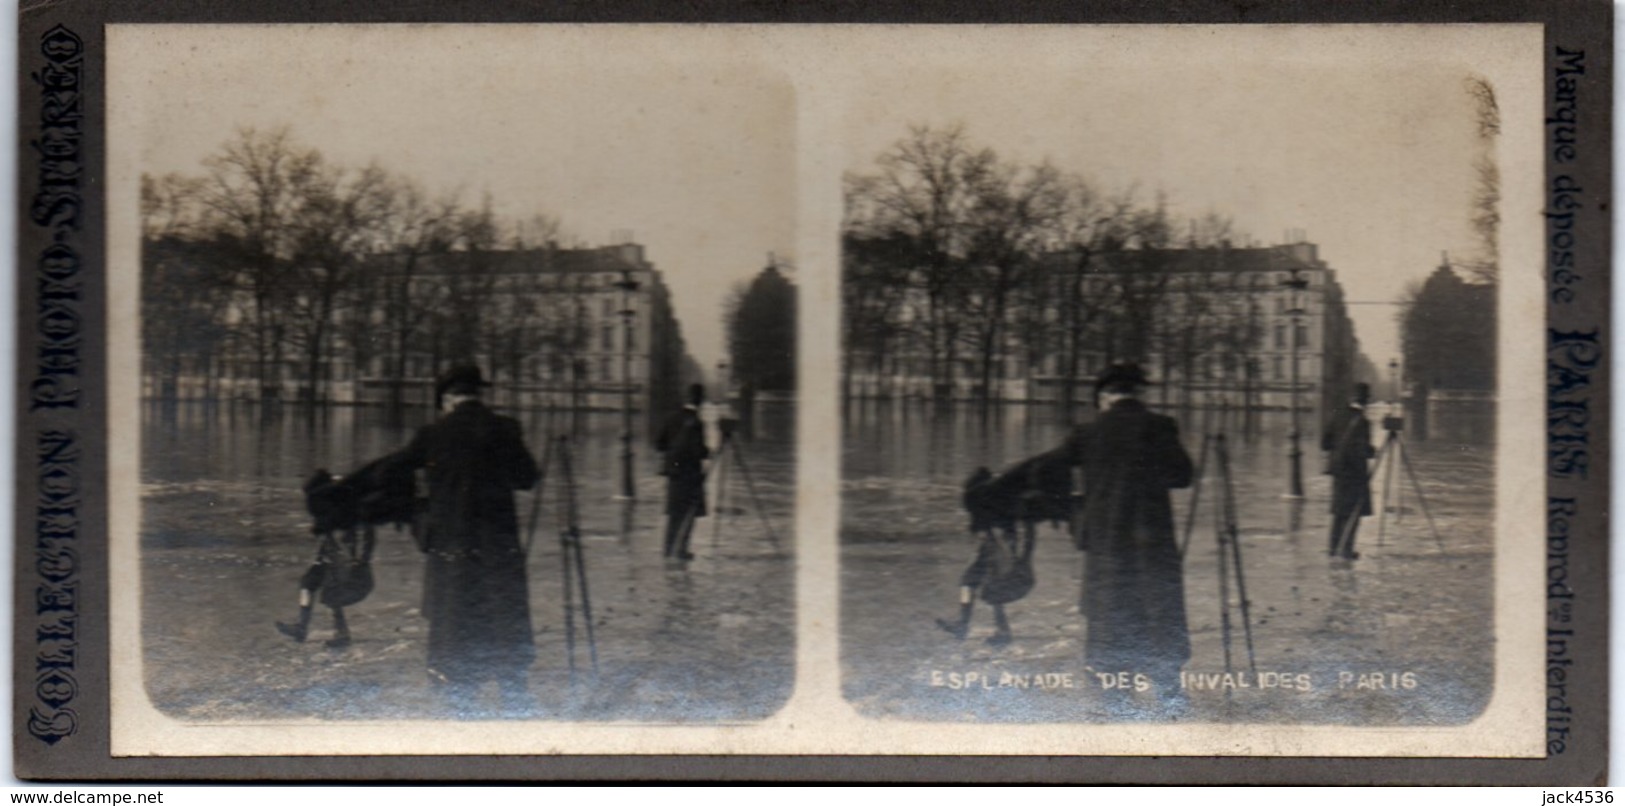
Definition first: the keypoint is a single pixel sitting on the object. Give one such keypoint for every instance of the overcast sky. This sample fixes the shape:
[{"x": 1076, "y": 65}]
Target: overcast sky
[
  {"x": 691, "y": 152},
  {"x": 703, "y": 140},
  {"x": 1372, "y": 159}
]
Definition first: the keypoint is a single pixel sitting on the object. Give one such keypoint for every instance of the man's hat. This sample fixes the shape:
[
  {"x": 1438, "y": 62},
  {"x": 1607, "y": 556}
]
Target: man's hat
[
  {"x": 1362, "y": 393},
  {"x": 461, "y": 379},
  {"x": 1120, "y": 376}
]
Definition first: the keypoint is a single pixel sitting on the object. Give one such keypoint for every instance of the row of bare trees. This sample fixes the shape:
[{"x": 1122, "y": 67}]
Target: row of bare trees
[
  {"x": 278, "y": 255},
  {"x": 955, "y": 257}
]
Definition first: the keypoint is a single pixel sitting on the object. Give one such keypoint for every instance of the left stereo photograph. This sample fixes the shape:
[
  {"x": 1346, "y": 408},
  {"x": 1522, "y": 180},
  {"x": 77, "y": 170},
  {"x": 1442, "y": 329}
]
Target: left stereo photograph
[{"x": 456, "y": 395}]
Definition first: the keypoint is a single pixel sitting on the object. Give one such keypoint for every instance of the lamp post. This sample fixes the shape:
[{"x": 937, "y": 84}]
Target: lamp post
[
  {"x": 627, "y": 285},
  {"x": 1393, "y": 381},
  {"x": 1295, "y": 285}
]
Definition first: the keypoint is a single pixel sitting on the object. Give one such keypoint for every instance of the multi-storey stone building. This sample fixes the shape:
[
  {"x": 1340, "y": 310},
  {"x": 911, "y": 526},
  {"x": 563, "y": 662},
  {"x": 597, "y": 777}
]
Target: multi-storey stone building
[
  {"x": 551, "y": 327},
  {"x": 1212, "y": 325}
]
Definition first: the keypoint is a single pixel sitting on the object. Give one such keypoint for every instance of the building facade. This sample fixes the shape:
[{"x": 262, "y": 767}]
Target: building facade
[
  {"x": 1213, "y": 326},
  {"x": 585, "y": 328}
]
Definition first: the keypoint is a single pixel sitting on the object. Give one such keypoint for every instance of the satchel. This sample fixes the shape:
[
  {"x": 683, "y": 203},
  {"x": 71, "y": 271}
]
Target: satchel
[
  {"x": 1012, "y": 578},
  {"x": 348, "y": 582}
]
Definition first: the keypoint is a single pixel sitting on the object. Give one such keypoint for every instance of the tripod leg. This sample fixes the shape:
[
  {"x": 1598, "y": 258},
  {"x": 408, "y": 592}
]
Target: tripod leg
[
  {"x": 1234, "y": 536},
  {"x": 569, "y": 585},
  {"x": 569, "y": 610},
  {"x": 722, "y": 498},
  {"x": 1420, "y": 498},
  {"x": 1235, "y": 554},
  {"x": 1399, "y": 492},
  {"x": 755, "y": 500},
  {"x": 1196, "y": 496},
  {"x": 1224, "y": 576},
  {"x": 1386, "y": 462},
  {"x": 536, "y": 497},
  {"x": 586, "y": 602}
]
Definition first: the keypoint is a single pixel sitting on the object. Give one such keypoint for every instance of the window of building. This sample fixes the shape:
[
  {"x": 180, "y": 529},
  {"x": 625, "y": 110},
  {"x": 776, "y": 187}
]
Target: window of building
[
  {"x": 1280, "y": 337},
  {"x": 1301, "y": 333},
  {"x": 608, "y": 338},
  {"x": 1276, "y": 368},
  {"x": 603, "y": 369}
]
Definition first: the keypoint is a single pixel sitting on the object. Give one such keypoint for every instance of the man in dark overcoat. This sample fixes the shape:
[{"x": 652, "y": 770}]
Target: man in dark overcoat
[
  {"x": 476, "y": 595},
  {"x": 681, "y": 443},
  {"x": 1347, "y": 438},
  {"x": 1133, "y": 585}
]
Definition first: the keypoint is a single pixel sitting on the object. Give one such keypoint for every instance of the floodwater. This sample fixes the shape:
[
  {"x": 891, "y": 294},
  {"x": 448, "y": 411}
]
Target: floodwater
[
  {"x": 225, "y": 537},
  {"x": 1402, "y": 636}
]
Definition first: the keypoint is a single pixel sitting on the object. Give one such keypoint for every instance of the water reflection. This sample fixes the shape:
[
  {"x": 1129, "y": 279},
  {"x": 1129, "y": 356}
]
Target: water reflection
[
  {"x": 225, "y": 537},
  {"x": 904, "y": 542}
]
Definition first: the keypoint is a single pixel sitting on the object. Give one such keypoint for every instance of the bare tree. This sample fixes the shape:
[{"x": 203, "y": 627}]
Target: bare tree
[
  {"x": 1090, "y": 229},
  {"x": 183, "y": 287},
  {"x": 1141, "y": 272},
  {"x": 1191, "y": 328},
  {"x": 874, "y": 288},
  {"x": 414, "y": 232},
  {"x": 1486, "y": 203},
  {"x": 1013, "y": 211},
  {"x": 926, "y": 192},
  {"x": 252, "y": 195},
  {"x": 335, "y": 231},
  {"x": 170, "y": 206}
]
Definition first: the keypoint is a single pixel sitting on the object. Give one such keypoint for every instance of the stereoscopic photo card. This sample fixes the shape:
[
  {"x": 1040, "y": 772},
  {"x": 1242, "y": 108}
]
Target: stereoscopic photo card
[{"x": 1114, "y": 396}]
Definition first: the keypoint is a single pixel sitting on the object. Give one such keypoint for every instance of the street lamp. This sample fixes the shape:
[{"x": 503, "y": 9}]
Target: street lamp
[
  {"x": 1295, "y": 285},
  {"x": 1394, "y": 392},
  {"x": 627, "y": 285}
]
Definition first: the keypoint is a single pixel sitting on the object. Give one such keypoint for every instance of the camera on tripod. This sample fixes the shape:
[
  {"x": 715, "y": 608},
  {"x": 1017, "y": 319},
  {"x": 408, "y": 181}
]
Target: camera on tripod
[
  {"x": 1393, "y": 423},
  {"x": 729, "y": 425}
]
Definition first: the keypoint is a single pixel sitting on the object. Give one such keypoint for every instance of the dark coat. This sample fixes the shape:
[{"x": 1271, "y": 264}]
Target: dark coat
[
  {"x": 475, "y": 593},
  {"x": 1133, "y": 585},
  {"x": 1348, "y": 439},
  {"x": 681, "y": 443}
]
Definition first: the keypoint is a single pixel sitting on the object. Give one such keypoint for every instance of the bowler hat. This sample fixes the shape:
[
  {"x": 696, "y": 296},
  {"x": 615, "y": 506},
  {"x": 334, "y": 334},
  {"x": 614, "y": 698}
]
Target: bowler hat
[
  {"x": 462, "y": 379},
  {"x": 1121, "y": 376},
  {"x": 1362, "y": 393}
]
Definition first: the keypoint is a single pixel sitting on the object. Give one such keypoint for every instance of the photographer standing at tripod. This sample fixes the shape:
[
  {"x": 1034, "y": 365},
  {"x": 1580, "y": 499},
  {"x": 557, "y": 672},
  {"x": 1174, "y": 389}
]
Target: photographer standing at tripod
[
  {"x": 475, "y": 590},
  {"x": 1348, "y": 439},
  {"x": 682, "y": 445},
  {"x": 1133, "y": 582}
]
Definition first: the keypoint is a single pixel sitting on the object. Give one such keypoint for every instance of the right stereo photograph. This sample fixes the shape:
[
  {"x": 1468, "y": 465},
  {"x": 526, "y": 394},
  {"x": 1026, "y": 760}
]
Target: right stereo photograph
[{"x": 1173, "y": 390}]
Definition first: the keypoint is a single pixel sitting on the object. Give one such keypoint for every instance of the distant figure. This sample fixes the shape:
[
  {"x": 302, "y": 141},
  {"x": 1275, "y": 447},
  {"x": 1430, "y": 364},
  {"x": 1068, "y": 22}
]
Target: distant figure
[
  {"x": 1133, "y": 583},
  {"x": 682, "y": 444},
  {"x": 475, "y": 592},
  {"x": 1348, "y": 439}
]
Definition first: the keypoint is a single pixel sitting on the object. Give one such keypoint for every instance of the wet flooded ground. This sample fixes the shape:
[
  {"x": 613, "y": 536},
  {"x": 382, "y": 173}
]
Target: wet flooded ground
[
  {"x": 1402, "y": 636},
  {"x": 225, "y": 537}
]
